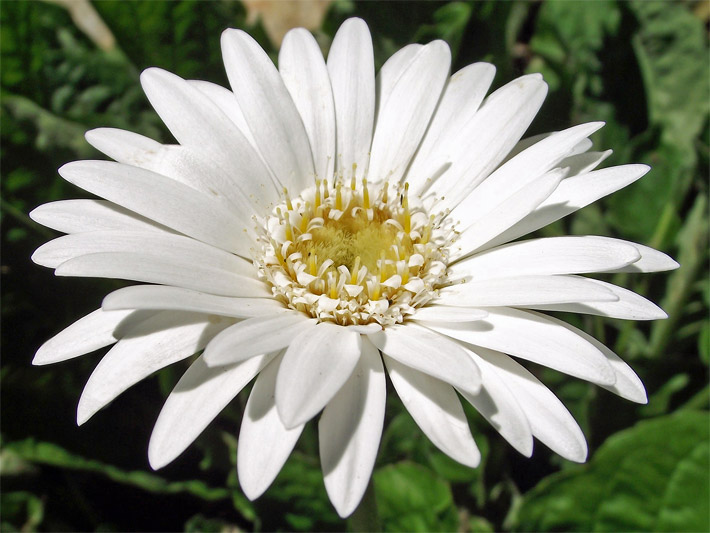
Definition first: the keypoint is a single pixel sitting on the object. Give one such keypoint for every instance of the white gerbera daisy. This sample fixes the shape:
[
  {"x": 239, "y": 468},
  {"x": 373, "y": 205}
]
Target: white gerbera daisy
[{"x": 318, "y": 225}]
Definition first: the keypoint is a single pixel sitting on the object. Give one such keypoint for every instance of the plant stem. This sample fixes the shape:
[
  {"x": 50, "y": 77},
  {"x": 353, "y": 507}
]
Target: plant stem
[{"x": 366, "y": 517}]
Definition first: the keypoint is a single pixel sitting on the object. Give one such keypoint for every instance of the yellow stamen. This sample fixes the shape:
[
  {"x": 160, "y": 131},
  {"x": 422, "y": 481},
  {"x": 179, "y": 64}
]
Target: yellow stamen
[
  {"x": 317, "y": 198},
  {"x": 356, "y": 268},
  {"x": 289, "y": 205},
  {"x": 365, "y": 194},
  {"x": 352, "y": 177},
  {"x": 407, "y": 223},
  {"x": 313, "y": 265},
  {"x": 384, "y": 192},
  {"x": 338, "y": 197}
]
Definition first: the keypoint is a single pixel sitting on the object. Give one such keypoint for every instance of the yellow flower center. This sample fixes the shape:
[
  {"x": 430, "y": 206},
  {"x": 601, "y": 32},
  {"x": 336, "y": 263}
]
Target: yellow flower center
[{"x": 353, "y": 255}]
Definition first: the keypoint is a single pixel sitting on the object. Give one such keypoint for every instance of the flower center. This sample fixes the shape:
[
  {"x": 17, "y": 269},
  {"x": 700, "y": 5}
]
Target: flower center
[{"x": 353, "y": 254}]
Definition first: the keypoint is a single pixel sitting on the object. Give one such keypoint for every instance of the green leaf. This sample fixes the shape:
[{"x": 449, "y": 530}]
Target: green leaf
[
  {"x": 652, "y": 477},
  {"x": 22, "y": 511},
  {"x": 46, "y": 453},
  {"x": 704, "y": 344},
  {"x": 411, "y": 498}
]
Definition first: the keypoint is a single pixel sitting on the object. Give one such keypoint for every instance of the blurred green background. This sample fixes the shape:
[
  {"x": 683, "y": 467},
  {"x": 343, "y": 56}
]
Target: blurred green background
[{"x": 642, "y": 66}]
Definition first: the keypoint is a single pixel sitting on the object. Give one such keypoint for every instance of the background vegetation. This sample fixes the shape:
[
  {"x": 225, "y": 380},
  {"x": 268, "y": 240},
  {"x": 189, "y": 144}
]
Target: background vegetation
[{"x": 642, "y": 66}]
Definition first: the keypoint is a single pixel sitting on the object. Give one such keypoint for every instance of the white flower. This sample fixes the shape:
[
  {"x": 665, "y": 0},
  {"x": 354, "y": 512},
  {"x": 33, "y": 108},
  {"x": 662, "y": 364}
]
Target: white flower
[{"x": 318, "y": 225}]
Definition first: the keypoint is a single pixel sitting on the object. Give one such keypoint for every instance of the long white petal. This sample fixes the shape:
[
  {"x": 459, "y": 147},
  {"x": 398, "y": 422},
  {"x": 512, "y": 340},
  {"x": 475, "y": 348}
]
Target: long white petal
[
  {"x": 87, "y": 334},
  {"x": 351, "y": 66},
  {"x": 507, "y": 212},
  {"x": 651, "y": 260},
  {"x": 160, "y": 341},
  {"x": 584, "y": 163},
  {"x": 161, "y": 199},
  {"x": 121, "y": 145},
  {"x": 189, "y": 164},
  {"x": 150, "y": 268},
  {"x": 437, "y": 411},
  {"x": 629, "y": 306},
  {"x": 552, "y": 255},
  {"x": 227, "y": 102},
  {"x": 489, "y": 136},
  {"x": 429, "y": 352},
  {"x": 461, "y": 99},
  {"x": 550, "y": 421},
  {"x": 179, "y": 299},
  {"x": 317, "y": 363},
  {"x": 195, "y": 120},
  {"x": 521, "y": 170},
  {"x": 349, "y": 432},
  {"x": 269, "y": 110},
  {"x": 168, "y": 246},
  {"x": 196, "y": 400},
  {"x": 534, "y": 337},
  {"x": 497, "y": 403},
  {"x": 403, "y": 118},
  {"x": 525, "y": 291},
  {"x": 443, "y": 313},
  {"x": 254, "y": 336},
  {"x": 80, "y": 216},
  {"x": 306, "y": 77},
  {"x": 573, "y": 194},
  {"x": 390, "y": 73},
  {"x": 627, "y": 385},
  {"x": 264, "y": 442}
]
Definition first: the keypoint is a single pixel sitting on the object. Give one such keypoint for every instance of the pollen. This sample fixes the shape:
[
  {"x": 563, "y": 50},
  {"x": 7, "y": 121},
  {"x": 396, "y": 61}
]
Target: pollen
[{"x": 367, "y": 253}]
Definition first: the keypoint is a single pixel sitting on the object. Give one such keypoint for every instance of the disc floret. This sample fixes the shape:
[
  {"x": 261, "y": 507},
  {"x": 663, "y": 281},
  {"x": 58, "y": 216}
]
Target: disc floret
[{"x": 354, "y": 253}]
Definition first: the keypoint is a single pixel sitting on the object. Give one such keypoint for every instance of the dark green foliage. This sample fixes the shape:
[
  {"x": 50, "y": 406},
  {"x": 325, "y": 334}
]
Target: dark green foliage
[{"x": 641, "y": 66}]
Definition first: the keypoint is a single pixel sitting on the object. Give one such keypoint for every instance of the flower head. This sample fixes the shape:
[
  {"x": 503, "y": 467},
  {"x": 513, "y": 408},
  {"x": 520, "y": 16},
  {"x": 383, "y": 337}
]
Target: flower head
[{"x": 317, "y": 225}]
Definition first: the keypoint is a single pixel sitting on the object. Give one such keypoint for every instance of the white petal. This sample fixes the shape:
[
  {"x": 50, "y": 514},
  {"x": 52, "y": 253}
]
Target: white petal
[
  {"x": 78, "y": 216},
  {"x": 521, "y": 170},
  {"x": 306, "y": 77},
  {"x": 584, "y": 163},
  {"x": 160, "y": 341},
  {"x": 534, "y": 337},
  {"x": 166, "y": 245},
  {"x": 629, "y": 306},
  {"x": 552, "y": 255},
  {"x": 151, "y": 268},
  {"x": 351, "y": 66},
  {"x": 254, "y": 336},
  {"x": 549, "y": 419},
  {"x": 264, "y": 442},
  {"x": 269, "y": 110},
  {"x": 87, "y": 334},
  {"x": 651, "y": 260},
  {"x": 390, "y": 73},
  {"x": 572, "y": 194},
  {"x": 461, "y": 99},
  {"x": 497, "y": 403},
  {"x": 505, "y": 213},
  {"x": 403, "y": 118},
  {"x": 121, "y": 145},
  {"x": 227, "y": 102},
  {"x": 443, "y": 313},
  {"x": 429, "y": 352},
  {"x": 525, "y": 291},
  {"x": 628, "y": 385},
  {"x": 317, "y": 363},
  {"x": 349, "y": 432},
  {"x": 179, "y": 299},
  {"x": 189, "y": 164},
  {"x": 195, "y": 120},
  {"x": 161, "y": 199},
  {"x": 437, "y": 411},
  {"x": 489, "y": 136},
  {"x": 196, "y": 400}
]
